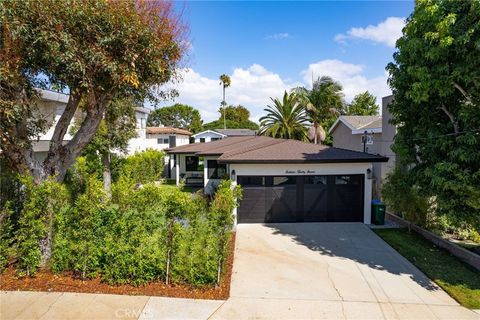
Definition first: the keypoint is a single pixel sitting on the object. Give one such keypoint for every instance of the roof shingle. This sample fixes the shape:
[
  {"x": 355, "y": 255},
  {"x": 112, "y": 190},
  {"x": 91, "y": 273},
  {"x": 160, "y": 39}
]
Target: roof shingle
[{"x": 265, "y": 149}]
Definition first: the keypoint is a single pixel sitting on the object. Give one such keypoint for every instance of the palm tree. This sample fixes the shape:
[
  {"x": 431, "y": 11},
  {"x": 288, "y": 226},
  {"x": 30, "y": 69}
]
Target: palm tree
[
  {"x": 321, "y": 103},
  {"x": 225, "y": 81},
  {"x": 285, "y": 119}
]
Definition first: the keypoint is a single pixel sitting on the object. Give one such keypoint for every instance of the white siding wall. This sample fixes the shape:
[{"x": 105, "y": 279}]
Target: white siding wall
[
  {"x": 207, "y": 136},
  {"x": 152, "y": 141},
  {"x": 138, "y": 144}
]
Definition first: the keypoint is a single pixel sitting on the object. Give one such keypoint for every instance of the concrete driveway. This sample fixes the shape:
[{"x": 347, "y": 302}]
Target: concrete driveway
[{"x": 331, "y": 271}]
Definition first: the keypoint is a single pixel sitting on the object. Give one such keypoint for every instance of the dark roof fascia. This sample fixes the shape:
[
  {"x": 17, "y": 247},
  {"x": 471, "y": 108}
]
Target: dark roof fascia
[
  {"x": 209, "y": 154},
  {"x": 181, "y": 152},
  {"x": 380, "y": 159},
  {"x": 196, "y": 153}
]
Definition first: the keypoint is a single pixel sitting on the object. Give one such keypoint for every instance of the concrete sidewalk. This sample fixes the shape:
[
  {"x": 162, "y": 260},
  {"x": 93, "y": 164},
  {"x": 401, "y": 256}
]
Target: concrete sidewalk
[{"x": 63, "y": 306}]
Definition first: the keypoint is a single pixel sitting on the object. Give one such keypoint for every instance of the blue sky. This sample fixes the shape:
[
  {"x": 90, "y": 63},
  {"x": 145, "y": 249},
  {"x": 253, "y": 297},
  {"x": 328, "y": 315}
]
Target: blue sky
[{"x": 268, "y": 47}]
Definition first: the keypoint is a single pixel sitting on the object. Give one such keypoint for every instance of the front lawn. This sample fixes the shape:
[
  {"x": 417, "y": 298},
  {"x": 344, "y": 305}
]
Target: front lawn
[
  {"x": 171, "y": 183},
  {"x": 458, "y": 279}
]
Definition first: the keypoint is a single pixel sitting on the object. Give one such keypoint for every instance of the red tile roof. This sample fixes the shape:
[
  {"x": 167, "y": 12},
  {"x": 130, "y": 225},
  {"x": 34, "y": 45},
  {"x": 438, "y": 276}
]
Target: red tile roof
[{"x": 168, "y": 130}]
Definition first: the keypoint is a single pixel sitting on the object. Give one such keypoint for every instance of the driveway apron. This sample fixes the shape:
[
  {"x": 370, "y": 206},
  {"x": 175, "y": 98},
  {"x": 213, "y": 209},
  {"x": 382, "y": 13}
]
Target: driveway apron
[{"x": 330, "y": 271}]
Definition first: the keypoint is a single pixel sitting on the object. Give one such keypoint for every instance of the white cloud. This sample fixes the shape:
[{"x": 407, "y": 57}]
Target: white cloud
[
  {"x": 386, "y": 32},
  {"x": 251, "y": 87},
  {"x": 350, "y": 76},
  {"x": 278, "y": 36}
]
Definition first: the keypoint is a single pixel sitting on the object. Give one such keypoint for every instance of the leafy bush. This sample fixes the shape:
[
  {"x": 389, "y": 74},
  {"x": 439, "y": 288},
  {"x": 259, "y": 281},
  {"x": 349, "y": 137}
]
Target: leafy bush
[
  {"x": 402, "y": 196},
  {"x": 144, "y": 232},
  {"x": 143, "y": 167},
  {"x": 78, "y": 241},
  {"x": 6, "y": 236},
  {"x": 34, "y": 235},
  {"x": 222, "y": 218}
]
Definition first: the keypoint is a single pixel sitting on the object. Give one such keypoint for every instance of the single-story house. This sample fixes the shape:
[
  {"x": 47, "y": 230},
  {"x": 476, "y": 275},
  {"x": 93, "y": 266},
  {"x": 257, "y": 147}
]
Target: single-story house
[
  {"x": 283, "y": 180},
  {"x": 218, "y": 134},
  {"x": 348, "y": 133}
]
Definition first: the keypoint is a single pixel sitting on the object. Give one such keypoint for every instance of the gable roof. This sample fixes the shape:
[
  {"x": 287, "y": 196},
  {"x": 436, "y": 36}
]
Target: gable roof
[
  {"x": 261, "y": 149},
  {"x": 358, "y": 124},
  {"x": 168, "y": 130},
  {"x": 209, "y": 131},
  {"x": 229, "y": 132}
]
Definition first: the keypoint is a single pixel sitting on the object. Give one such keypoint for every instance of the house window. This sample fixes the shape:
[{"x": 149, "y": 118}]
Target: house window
[
  {"x": 191, "y": 140},
  {"x": 162, "y": 141},
  {"x": 193, "y": 163},
  {"x": 353, "y": 179},
  {"x": 202, "y": 140},
  {"x": 251, "y": 181},
  {"x": 143, "y": 123},
  {"x": 216, "y": 170},
  {"x": 215, "y": 139},
  {"x": 172, "y": 141}
]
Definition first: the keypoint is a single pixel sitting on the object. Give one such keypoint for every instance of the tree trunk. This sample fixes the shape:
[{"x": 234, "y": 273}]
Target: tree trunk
[
  {"x": 46, "y": 243},
  {"x": 107, "y": 175},
  {"x": 64, "y": 156},
  {"x": 452, "y": 119},
  {"x": 315, "y": 130}
]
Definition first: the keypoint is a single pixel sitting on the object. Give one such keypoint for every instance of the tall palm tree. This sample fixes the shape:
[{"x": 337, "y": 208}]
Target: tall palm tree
[
  {"x": 322, "y": 103},
  {"x": 286, "y": 119},
  {"x": 225, "y": 82}
]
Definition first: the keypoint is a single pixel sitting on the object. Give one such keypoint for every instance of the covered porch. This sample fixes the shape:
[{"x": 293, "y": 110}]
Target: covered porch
[{"x": 197, "y": 171}]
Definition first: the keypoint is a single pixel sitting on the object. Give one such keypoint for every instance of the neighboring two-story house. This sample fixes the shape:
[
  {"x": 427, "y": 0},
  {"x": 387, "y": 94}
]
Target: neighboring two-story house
[
  {"x": 52, "y": 104},
  {"x": 372, "y": 134},
  {"x": 161, "y": 138}
]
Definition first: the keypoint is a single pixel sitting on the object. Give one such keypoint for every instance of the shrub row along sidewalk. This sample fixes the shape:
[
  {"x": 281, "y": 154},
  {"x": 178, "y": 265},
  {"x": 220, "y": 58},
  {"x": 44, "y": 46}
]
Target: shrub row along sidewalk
[{"x": 138, "y": 235}]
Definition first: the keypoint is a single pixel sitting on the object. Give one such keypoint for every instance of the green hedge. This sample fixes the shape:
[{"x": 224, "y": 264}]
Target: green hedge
[{"x": 141, "y": 233}]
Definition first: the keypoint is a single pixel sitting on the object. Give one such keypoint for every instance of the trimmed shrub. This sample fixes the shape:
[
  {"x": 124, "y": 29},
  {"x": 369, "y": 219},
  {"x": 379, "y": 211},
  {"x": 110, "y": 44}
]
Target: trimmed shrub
[
  {"x": 226, "y": 199},
  {"x": 6, "y": 234},
  {"x": 78, "y": 241},
  {"x": 402, "y": 196},
  {"x": 143, "y": 233},
  {"x": 143, "y": 167},
  {"x": 35, "y": 232}
]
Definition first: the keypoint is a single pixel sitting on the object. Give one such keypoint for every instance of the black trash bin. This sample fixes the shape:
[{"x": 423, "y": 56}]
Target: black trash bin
[{"x": 378, "y": 212}]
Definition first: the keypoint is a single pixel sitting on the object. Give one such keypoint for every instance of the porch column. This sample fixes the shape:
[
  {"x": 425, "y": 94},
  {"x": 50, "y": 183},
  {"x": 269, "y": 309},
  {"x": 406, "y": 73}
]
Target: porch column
[
  {"x": 234, "y": 184},
  {"x": 177, "y": 169},
  {"x": 171, "y": 165},
  {"x": 205, "y": 172}
]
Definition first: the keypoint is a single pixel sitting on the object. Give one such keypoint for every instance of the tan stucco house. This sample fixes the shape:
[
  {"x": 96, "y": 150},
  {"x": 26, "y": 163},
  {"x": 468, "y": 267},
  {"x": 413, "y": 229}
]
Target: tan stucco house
[{"x": 372, "y": 134}]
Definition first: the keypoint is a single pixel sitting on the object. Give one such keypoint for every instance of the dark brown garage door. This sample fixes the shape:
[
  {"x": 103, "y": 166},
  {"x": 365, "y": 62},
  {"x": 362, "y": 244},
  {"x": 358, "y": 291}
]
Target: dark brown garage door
[{"x": 319, "y": 198}]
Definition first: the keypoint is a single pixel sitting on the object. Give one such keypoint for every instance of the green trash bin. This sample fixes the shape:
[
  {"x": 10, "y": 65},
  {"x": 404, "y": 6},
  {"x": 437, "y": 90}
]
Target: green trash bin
[{"x": 378, "y": 212}]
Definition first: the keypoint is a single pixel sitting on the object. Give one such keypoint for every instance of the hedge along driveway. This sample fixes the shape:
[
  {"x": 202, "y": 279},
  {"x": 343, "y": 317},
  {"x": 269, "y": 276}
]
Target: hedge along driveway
[{"x": 458, "y": 279}]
